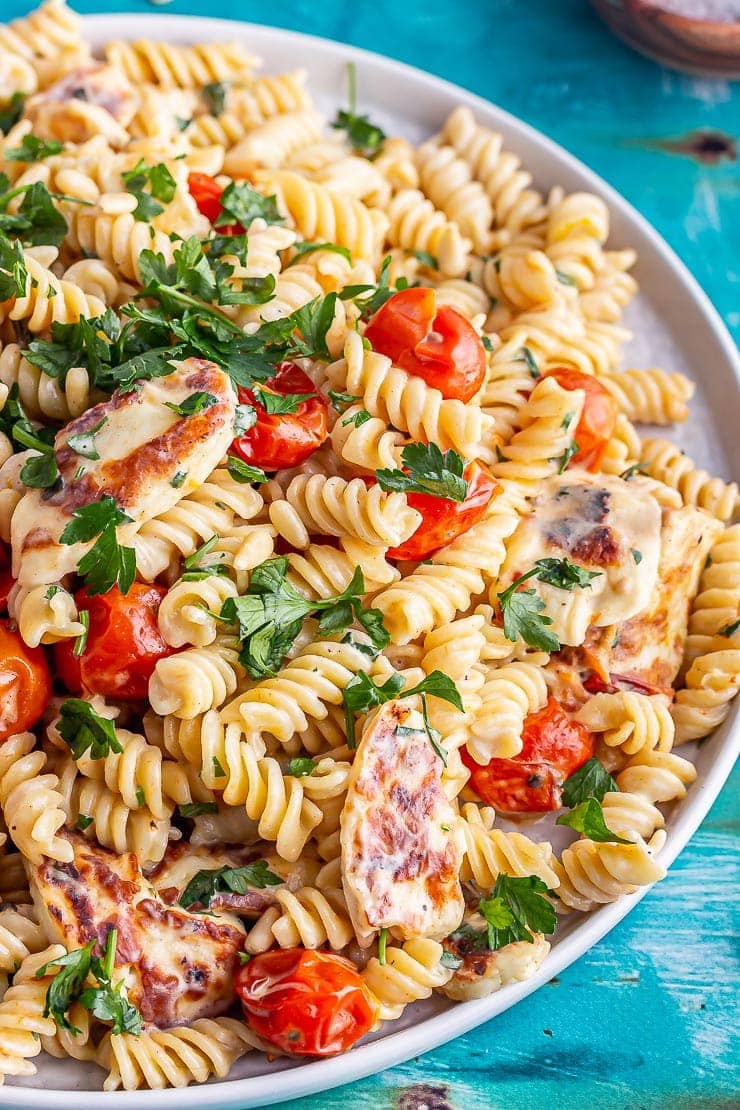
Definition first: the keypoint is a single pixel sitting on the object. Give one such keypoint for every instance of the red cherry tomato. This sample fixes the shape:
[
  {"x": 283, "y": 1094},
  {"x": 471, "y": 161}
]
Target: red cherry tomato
[
  {"x": 437, "y": 344},
  {"x": 206, "y": 192},
  {"x": 123, "y": 644},
  {"x": 25, "y": 683},
  {"x": 278, "y": 440},
  {"x": 553, "y": 747},
  {"x": 305, "y": 1002},
  {"x": 598, "y": 419},
  {"x": 443, "y": 520},
  {"x": 7, "y": 581}
]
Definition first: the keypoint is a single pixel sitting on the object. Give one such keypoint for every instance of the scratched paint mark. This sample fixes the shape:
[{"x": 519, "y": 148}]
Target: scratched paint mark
[
  {"x": 703, "y": 214},
  {"x": 704, "y": 146},
  {"x": 425, "y": 1096}
]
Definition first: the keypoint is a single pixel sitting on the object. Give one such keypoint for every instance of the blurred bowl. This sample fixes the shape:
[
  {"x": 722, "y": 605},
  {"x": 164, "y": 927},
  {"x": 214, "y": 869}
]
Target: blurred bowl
[{"x": 700, "y": 43}]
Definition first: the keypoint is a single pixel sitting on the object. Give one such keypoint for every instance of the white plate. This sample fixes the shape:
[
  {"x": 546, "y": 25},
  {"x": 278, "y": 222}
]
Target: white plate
[{"x": 675, "y": 326}]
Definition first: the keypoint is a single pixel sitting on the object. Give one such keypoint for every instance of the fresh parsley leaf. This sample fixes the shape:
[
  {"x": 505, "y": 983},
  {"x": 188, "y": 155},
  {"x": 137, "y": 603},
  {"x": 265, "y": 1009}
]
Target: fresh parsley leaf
[
  {"x": 357, "y": 418},
  {"x": 450, "y": 960},
  {"x": 364, "y": 136},
  {"x": 588, "y": 818},
  {"x": 83, "y": 822},
  {"x": 13, "y": 272},
  {"x": 81, "y": 642},
  {"x": 205, "y": 884},
  {"x": 521, "y": 610},
  {"x": 12, "y": 112},
  {"x": 193, "y": 569},
  {"x": 526, "y": 356},
  {"x": 33, "y": 149},
  {"x": 362, "y": 694},
  {"x": 342, "y": 401},
  {"x": 107, "y": 563},
  {"x": 563, "y": 574},
  {"x": 178, "y": 479},
  {"x": 299, "y": 768},
  {"x": 369, "y": 298},
  {"x": 41, "y": 223},
  {"x": 591, "y": 780},
  {"x": 66, "y": 986},
  {"x": 427, "y": 470},
  {"x": 84, "y": 443},
  {"x": 637, "y": 468},
  {"x": 40, "y": 471},
  {"x": 214, "y": 96},
  {"x": 245, "y": 417},
  {"x": 162, "y": 186},
  {"x": 81, "y": 728},
  {"x": 243, "y": 472},
  {"x": 196, "y": 402},
  {"x": 302, "y": 249},
  {"x": 195, "y": 809},
  {"x": 270, "y": 615},
  {"x": 241, "y": 204},
  {"x": 516, "y": 908},
  {"x": 729, "y": 629},
  {"x": 277, "y": 404},
  {"x": 636, "y": 555},
  {"x": 426, "y": 259},
  {"x": 565, "y": 279},
  {"x": 571, "y": 450}
]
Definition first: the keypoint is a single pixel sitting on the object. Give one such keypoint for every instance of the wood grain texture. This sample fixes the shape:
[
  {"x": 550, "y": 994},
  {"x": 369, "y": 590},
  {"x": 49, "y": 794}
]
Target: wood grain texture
[{"x": 647, "y": 1019}]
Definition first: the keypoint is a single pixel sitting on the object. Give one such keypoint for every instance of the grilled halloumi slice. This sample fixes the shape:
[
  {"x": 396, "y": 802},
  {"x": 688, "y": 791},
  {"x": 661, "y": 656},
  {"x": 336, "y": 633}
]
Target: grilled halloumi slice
[
  {"x": 177, "y": 966},
  {"x": 142, "y": 444},
  {"x": 95, "y": 100},
  {"x": 401, "y": 841},
  {"x": 649, "y": 646},
  {"x": 482, "y": 972},
  {"x": 603, "y": 524}
]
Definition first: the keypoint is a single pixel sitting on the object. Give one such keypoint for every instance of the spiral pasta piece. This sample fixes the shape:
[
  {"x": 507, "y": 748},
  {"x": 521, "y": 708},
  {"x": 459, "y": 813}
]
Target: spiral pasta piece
[
  {"x": 410, "y": 973},
  {"x": 415, "y": 225},
  {"x": 180, "y": 67},
  {"x": 186, "y": 613},
  {"x": 197, "y": 679},
  {"x": 321, "y": 571},
  {"x": 406, "y": 401},
  {"x": 510, "y": 693},
  {"x": 30, "y": 801},
  {"x": 650, "y": 396},
  {"x": 174, "y": 1057},
  {"x": 368, "y": 446},
  {"x": 592, "y": 874},
  {"x": 667, "y": 463},
  {"x": 631, "y": 722},
  {"x": 649, "y": 777},
  {"x": 50, "y": 38},
  {"x": 302, "y": 690},
  {"x": 548, "y": 421},
  {"x": 326, "y": 216},
  {"x": 712, "y": 681},
  {"x": 435, "y": 592},
  {"x": 490, "y": 852},
  {"x": 22, "y": 1021},
  {"x": 514, "y": 205},
  {"x": 20, "y": 935},
  {"x": 273, "y": 142},
  {"x": 44, "y": 614},
  {"x": 449, "y": 183},
  {"x": 41, "y": 395},
  {"x": 48, "y": 299},
  {"x": 247, "y": 106},
  {"x": 307, "y": 918},
  {"x": 337, "y": 507}
]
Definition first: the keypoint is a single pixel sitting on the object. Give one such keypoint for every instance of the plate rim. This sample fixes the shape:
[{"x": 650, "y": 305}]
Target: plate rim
[{"x": 395, "y": 1048}]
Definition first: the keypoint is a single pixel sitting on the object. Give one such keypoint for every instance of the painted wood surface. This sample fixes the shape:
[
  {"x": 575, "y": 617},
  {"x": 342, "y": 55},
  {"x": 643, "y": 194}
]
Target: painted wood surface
[{"x": 648, "y": 1018}]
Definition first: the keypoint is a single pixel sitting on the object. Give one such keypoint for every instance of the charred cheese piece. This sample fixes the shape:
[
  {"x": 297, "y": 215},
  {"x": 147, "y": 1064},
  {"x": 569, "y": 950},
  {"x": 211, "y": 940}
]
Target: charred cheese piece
[
  {"x": 598, "y": 522},
  {"x": 142, "y": 444},
  {"x": 177, "y": 966},
  {"x": 649, "y": 646},
  {"x": 401, "y": 840},
  {"x": 483, "y": 972}
]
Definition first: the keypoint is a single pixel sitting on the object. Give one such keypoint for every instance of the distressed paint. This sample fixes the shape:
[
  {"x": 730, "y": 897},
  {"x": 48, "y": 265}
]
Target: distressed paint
[{"x": 647, "y": 1019}]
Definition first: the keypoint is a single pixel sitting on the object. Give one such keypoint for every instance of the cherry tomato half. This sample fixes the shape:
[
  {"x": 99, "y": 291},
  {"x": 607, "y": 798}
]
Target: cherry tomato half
[
  {"x": 123, "y": 644},
  {"x": 25, "y": 683},
  {"x": 7, "y": 581},
  {"x": 443, "y": 520},
  {"x": 305, "y": 1002},
  {"x": 598, "y": 419},
  {"x": 206, "y": 192},
  {"x": 437, "y": 344},
  {"x": 285, "y": 439},
  {"x": 553, "y": 747}
]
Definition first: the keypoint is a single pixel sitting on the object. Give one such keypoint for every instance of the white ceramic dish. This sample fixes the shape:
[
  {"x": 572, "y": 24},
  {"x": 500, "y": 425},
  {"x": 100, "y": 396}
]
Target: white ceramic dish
[{"x": 675, "y": 327}]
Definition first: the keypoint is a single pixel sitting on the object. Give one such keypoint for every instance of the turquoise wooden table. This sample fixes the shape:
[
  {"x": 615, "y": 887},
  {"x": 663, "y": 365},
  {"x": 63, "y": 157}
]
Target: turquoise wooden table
[{"x": 648, "y": 1017}]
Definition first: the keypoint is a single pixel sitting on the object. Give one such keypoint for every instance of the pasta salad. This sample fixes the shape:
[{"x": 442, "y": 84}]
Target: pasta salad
[{"x": 333, "y": 560}]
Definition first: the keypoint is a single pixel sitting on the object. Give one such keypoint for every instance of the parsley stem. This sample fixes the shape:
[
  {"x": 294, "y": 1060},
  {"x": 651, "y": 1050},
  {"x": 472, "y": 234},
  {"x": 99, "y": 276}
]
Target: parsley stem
[
  {"x": 192, "y": 302},
  {"x": 352, "y": 83},
  {"x": 109, "y": 955}
]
